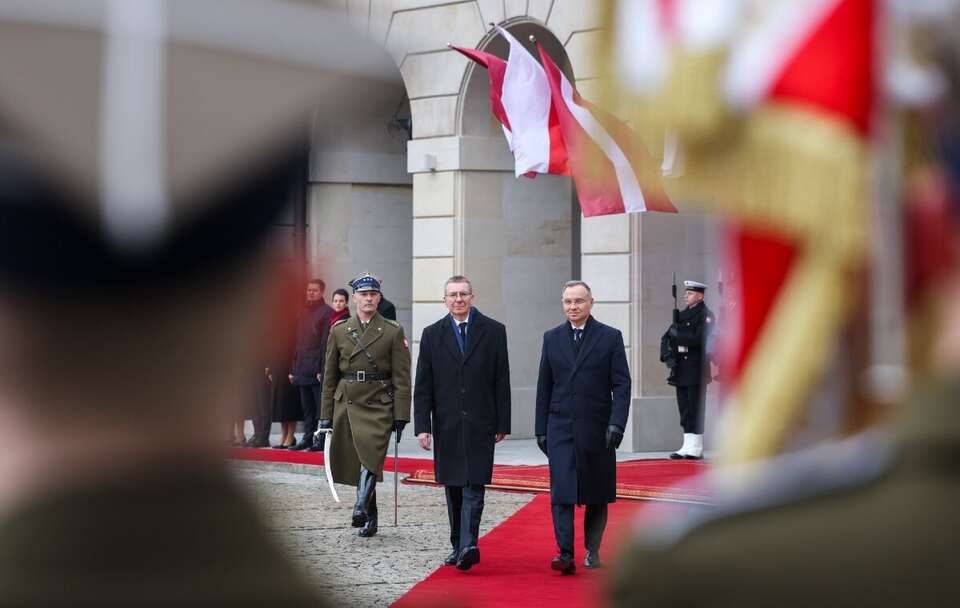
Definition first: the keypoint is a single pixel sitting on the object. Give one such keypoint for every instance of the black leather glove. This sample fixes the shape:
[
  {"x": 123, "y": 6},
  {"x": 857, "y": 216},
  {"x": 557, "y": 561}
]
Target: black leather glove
[
  {"x": 325, "y": 424},
  {"x": 614, "y": 436},
  {"x": 398, "y": 427},
  {"x": 542, "y": 443}
]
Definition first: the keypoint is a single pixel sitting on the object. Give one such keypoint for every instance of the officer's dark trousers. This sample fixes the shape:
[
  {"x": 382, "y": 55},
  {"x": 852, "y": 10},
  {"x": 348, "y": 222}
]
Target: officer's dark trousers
[
  {"x": 464, "y": 507},
  {"x": 690, "y": 403},
  {"x": 594, "y": 522},
  {"x": 310, "y": 405},
  {"x": 262, "y": 410}
]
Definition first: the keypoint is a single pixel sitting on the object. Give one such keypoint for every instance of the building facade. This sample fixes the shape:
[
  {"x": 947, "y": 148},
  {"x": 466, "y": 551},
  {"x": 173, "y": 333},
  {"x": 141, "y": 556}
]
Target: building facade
[{"x": 447, "y": 202}]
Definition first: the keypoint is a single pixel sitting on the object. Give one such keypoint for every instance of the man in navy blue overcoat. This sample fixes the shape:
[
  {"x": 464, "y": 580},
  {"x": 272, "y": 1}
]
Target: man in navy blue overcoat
[{"x": 583, "y": 397}]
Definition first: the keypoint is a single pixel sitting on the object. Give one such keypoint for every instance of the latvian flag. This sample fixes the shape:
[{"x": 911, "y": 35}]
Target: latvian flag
[{"x": 605, "y": 155}]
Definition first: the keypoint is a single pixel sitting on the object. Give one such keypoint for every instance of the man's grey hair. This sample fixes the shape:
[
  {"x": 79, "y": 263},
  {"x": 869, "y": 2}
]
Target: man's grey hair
[
  {"x": 457, "y": 278},
  {"x": 570, "y": 284}
]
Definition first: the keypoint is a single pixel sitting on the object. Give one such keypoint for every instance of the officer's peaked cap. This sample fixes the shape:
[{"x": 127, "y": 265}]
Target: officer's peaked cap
[
  {"x": 365, "y": 282},
  {"x": 146, "y": 137},
  {"x": 694, "y": 286}
]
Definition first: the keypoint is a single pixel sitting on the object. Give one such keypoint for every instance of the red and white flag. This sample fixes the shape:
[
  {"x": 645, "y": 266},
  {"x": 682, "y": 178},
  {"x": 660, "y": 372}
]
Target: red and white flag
[
  {"x": 520, "y": 100},
  {"x": 604, "y": 154},
  {"x": 496, "y": 68}
]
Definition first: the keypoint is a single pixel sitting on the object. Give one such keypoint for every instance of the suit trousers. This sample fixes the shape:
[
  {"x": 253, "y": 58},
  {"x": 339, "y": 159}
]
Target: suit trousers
[
  {"x": 310, "y": 405},
  {"x": 464, "y": 507},
  {"x": 263, "y": 410},
  {"x": 690, "y": 404},
  {"x": 594, "y": 523}
]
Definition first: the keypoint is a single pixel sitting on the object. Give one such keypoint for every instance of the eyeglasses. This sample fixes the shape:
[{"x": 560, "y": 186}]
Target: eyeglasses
[{"x": 463, "y": 295}]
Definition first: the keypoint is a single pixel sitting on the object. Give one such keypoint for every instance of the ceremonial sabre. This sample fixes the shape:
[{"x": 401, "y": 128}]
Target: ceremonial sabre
[
  {"x": 326, "y": 460},
  {"x": 396, "y": 483}
]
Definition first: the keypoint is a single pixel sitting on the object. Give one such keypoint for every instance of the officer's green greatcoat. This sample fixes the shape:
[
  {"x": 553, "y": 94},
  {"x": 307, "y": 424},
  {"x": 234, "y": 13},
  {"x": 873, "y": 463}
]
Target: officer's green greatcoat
[{"x": 363, "y": 412}]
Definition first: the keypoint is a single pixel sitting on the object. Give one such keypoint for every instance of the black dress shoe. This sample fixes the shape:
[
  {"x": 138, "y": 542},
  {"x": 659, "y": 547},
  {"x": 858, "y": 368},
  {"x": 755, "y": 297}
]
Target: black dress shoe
[
  {"x": 304, "y": 444},
  {"x": 677, "y": 456},
  {"x": 279, "y": 446},
  {"x": 690, "y": 457},
  {"x": 592, "y": 560},
  {"x": 468, "y": 557},
  {"x": 451, "y": 560},
  {"x": 563, "y": 564}
]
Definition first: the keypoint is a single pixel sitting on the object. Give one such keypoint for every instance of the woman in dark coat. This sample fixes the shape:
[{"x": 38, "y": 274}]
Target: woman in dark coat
[{"x": 341, "y": 306}]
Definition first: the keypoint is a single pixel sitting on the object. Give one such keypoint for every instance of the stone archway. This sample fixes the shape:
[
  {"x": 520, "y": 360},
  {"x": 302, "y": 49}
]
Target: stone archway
[{"x": 517, "y": 238}]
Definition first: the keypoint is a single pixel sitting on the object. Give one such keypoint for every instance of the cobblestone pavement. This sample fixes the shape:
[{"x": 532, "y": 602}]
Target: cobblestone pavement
[{"x": 360, "y": 571}]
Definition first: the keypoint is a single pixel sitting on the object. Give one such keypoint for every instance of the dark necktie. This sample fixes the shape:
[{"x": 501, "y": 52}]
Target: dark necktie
[
  {"x": 577, "y": 338},
  {"x": 463, "y": 336}
]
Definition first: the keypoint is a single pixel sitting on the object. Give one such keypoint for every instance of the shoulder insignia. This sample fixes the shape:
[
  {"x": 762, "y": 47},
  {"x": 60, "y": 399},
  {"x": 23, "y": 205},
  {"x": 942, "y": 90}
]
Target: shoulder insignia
[
  {"x": 391, "y": 322},
  {"x": 339, "y": 321}
]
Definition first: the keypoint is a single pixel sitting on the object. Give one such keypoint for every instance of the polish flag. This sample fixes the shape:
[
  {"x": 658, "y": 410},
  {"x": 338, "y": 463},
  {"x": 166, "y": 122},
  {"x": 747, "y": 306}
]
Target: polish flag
[
  {"x": 520, "y": 100},
  {"x": 604, "y": 153},
  {"x": 537, "y": 137}
]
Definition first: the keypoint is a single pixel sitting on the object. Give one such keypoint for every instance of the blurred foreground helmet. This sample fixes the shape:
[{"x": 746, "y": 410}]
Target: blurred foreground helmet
[{"x": 142, "y": 140}]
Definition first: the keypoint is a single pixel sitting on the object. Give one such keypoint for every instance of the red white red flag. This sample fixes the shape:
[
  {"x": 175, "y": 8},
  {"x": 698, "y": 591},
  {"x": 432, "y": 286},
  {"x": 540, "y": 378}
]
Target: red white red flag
[{"x": 605, "y": 155}]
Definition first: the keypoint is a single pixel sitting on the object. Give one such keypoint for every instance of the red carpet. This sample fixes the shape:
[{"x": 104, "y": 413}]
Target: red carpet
[
  {"x": 654, "y": 479},
  {"x": 514, "y": 567},
  {"x": 405, "y": 465}
]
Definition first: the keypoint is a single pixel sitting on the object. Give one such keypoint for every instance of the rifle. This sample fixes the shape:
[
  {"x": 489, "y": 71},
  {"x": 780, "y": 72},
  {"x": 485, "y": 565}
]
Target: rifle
[{"x": 676, "y": 302}]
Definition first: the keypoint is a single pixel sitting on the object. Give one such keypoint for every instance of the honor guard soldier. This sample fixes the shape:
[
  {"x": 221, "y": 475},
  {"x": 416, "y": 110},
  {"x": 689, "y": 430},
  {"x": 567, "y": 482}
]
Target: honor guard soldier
[
  {"x": 689, "y": 375},
  {"x": 147, "y": 150},
  {"x": 366, "y": 396}
]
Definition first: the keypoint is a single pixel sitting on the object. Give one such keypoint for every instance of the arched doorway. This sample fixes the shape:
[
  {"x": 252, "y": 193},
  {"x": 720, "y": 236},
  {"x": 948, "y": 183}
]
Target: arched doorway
[{"x": 519, "y": 238}]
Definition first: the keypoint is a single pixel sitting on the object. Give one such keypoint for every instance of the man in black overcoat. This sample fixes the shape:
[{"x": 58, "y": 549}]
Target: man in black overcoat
[
  {"x": 462, "y": 401},
  {"x": 690, "y": 374},
  {"x": 583, "y": 397},
  {"x": 387, "y": 309},
  {"x": 313, "y": 328}
]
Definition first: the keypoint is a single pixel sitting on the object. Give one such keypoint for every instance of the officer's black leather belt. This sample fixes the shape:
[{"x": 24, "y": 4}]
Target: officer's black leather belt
[{"x": 367, "y": 376}]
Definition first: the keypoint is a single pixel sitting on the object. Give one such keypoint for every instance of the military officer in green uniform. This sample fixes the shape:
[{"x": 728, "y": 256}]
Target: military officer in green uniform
[{"x": 366, "y": 397}]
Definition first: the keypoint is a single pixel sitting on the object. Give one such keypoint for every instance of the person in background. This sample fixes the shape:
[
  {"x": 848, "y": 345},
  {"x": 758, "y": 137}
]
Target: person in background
[
  {"x": 386, "y": 309},
  {"x": 340, "y": 302},
  {"x": 313, "y": 327},
  {"x": 262, "y": 410},
  {"x": 692, "y": 373}
]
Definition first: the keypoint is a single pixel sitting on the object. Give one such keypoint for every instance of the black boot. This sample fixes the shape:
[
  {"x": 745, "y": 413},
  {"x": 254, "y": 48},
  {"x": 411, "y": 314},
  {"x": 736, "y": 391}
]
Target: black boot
[
  {"x": 370, "y": 528},
  {"x": 365, "y": 487}
]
